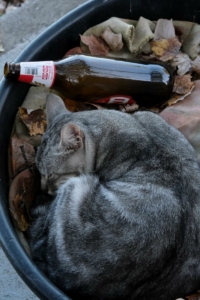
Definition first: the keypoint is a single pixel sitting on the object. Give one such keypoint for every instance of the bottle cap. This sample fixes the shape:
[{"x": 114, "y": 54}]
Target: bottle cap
[{"x": 11, "y": 70}]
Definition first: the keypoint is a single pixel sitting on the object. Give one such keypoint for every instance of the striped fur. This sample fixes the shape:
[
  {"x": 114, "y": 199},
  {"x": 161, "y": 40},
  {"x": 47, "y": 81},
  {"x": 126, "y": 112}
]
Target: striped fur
[{"x": 124, "y": 219}]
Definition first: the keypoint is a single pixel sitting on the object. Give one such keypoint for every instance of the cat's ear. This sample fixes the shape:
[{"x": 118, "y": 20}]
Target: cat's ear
[
  {"x": 71, "y": 136},
  {"x": 54, "y": 106}
]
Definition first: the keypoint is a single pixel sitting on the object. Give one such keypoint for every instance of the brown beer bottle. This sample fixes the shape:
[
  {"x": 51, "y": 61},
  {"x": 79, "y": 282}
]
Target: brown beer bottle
[{"x": 89, "y": 78}]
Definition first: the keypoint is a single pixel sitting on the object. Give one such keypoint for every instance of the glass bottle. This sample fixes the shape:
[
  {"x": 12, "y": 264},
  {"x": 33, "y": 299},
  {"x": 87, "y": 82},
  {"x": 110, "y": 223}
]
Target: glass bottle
[{"x": 90, "y": 78}]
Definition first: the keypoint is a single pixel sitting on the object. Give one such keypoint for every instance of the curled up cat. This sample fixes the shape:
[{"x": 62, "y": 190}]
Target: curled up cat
[{"x": 124, "y": 221}]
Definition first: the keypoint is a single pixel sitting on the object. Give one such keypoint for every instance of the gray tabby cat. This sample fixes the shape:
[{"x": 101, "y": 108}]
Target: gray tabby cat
[{"x": 125, "y": 219}]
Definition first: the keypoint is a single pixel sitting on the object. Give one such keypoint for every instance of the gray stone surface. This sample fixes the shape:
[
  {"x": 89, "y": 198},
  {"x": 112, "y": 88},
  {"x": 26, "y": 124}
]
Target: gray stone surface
[
  {"x": 11, "y": 285},
  {"x": 17, "y": 30},
  {"x": 21, "y": 26}
]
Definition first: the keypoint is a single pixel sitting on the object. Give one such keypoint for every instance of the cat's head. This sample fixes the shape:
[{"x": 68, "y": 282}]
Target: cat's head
[{"x": 61, "y": 154}]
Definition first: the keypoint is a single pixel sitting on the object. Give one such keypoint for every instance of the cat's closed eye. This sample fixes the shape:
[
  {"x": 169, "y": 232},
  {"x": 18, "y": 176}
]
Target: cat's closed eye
[
  {"x": 48, "y": 183},
  {"x": 53, "y": 181}
]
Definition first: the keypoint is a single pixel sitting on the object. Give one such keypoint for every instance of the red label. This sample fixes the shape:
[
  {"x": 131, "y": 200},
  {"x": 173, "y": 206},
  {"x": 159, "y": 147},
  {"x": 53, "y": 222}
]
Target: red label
[
  {"x": 38, "y": 73},
  {"x": 116, "y": 99},
  {"x": 26, "y": 78}
]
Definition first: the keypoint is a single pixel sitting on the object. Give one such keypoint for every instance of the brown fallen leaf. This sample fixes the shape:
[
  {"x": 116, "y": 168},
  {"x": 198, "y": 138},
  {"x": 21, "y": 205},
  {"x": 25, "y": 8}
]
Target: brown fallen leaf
[
  {"x": 193, "y": 296},
  {"x": 183, "y": 84},
  {"x": 23, "y": 133},
  {"x": 22, "y": 155},
  {"x": 75, "y": 50},
  {"x": 21, "y": 196},
  {"x": 165, "y": 49},
  {"x": 113, "y": 40},
  {"x": 96, "y": 45},
  {"x": 19, "y": 213},
  {"x": 34, "y": 120},
  {"x": 178, "y": 30},
  {"x": 177, "y": 97}
]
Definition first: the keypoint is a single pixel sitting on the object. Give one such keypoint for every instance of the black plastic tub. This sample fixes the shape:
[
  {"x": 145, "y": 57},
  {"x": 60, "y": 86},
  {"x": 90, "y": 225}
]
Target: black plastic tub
[{"x": 52, "y": 45}]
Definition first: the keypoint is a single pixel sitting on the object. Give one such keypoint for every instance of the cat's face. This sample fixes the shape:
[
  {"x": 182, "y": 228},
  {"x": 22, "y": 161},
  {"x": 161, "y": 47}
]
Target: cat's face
[
  {"x": 61, "y": 154},
  {"x": 55, "y": 172}
]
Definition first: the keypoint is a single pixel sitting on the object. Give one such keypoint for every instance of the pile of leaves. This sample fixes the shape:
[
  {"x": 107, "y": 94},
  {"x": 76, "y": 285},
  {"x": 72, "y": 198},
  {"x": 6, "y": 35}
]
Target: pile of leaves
[
  {"x": 30, "y": 124},
  {"x": 175, "y": 43},
  {"x": 24, "y": 181}
]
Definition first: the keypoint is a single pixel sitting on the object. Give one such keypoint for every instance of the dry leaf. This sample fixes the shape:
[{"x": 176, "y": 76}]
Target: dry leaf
[
  {"x": 34, "y": 120},
  {"x": 183, "y": 62},
  {"x": 146, "y": 49},
  {"x": 143, "y": 34},
  {"x": 96, "y": 45},
  {"x": 19, "y": 214},
  {"x": 164, "y": 29},
  {"x": 129, "y": 108},
  {"x": 193, "y": 297},
  {"x": 183, "y": 29},
  {"x": 75, "y": 50},
  {"x": 183, "y": 84},
  {"x": 195, "y": 64},
  {"x": 22, "y": 155},
  {"x": 185, "y": 116},
  {"x": 21, "y": 196},
  {"x": 178, "y": 30},
  {"x": 124, "y": 53},
  {"x": 177, "y": 97},
  {"x": 113, "y": 40},
  {"x": 191, "y": 44},
  {"x": 165, "y": 49},
  {"x": 122, "y": 26},
  {"x": 23, "y": 133}
]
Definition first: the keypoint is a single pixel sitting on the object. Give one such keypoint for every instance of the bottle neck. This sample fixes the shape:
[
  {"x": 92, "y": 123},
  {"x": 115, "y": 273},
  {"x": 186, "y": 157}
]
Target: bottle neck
[
  {"x": 37, "y": 73},
  {"x": 12, "y": 70}
]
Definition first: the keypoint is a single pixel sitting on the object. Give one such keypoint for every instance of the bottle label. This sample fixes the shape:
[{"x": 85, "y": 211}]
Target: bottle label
[
  {"x": 116, "y": 99},
  {"x": 38, "y": 73}
]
